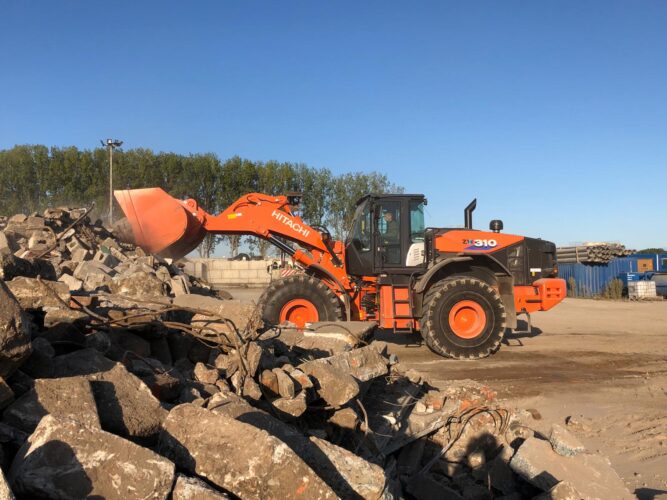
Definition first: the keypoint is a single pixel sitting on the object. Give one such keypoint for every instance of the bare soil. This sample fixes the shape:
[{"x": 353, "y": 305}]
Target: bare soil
[
  {"x": 599, "y": 365},
  {"x": 602, "y": 365}
]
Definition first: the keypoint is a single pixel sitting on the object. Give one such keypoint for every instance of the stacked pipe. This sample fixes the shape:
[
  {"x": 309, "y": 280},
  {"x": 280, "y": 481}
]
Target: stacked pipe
[{"x": 591, "y": 253}]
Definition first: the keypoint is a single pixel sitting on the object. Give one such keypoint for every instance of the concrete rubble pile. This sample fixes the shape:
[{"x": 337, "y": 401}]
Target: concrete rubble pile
[
  {"x": 130, "y": 389},
  {"x": 63, "y": 245}
]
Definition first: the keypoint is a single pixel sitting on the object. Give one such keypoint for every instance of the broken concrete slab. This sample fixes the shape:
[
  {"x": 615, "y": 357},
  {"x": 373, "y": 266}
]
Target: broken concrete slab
[
  {"x": 72, "y": 283},
  {"x": 31, "y": 294},
  {"x": 39, "y": 364},
  {"x": 240, "y": 313},
  {"x": 124, "y": 341},
  {"x": 14, "y": 333},
  {"x": 139, "y": 285},
  {"x": 327, "y": 338},
  {"x": 562, "y": 491},
  {"x": 364, "y": 364},
  {"x": 591, "y": 475},
  {"x": 125, "y": 404},
  {"x": 192, "y": 488},
  {"x": 349, "y": 475},
  {"x": 12, "y": 266},
  {"x": 69, "y": 397},
  {"x": 564, "y": 442},
  {"x": 238, "y": 457},
  {"x": 334, "y": 386},
  {"x": 65, "y": 459},
  {"x": 81, "y": 362}
]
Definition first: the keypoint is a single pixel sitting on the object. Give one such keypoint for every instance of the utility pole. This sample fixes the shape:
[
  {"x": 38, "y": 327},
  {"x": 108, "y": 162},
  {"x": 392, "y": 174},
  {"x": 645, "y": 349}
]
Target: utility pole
[{"x": 111, "y": 144}]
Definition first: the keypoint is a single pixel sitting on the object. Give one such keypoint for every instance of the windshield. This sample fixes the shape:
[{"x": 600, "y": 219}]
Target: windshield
[{"x": 360, "y": 236}]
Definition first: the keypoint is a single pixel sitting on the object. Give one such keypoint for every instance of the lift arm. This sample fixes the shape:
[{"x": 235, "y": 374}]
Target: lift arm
[{"x": 161, "y": 224}]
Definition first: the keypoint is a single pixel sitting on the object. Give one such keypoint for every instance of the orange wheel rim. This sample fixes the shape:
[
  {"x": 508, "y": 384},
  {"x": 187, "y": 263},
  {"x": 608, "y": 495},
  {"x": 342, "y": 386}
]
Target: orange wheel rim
[
  {"x": 467, "y": 319},
  {"x": 299, "y": 312}
]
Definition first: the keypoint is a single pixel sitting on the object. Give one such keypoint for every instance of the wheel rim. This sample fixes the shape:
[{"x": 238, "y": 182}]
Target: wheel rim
[
  {"x": 299, "y": 312},
  {"x": 467, "y": 319}
]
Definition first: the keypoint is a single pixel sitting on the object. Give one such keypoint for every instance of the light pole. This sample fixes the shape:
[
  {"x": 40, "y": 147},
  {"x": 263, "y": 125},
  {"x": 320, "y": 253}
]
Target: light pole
[{"x": 111, "y": 144}]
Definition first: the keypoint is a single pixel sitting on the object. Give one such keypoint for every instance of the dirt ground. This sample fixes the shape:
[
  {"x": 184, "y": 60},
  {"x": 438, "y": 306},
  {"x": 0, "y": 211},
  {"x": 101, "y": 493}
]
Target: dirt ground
[{"x": 601, "y": 365}]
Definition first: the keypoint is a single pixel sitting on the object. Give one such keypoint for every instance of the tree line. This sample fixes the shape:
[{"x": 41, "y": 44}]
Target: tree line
[{"x": 34, "y": 177}]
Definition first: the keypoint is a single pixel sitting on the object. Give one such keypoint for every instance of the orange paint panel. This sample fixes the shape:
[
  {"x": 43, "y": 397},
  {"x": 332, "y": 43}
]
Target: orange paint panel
[
  {"x": 387, "y": 316},
  {"x": 540, "y": 296},
  {"x": 386, "y": 306},
  {"x": 465, "y": 240}
]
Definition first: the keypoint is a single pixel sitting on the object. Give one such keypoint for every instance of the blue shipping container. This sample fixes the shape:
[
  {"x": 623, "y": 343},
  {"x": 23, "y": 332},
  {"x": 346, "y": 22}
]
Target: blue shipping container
[{"x": 591, "y": 279}]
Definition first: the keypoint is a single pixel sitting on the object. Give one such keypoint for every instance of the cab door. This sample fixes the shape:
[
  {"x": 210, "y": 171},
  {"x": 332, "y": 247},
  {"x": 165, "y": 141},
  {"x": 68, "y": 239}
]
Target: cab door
[{"x": 398, "y": 234}]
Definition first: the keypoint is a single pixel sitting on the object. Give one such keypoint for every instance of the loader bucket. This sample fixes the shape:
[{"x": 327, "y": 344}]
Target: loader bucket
[{"x": 158, "y": 223}]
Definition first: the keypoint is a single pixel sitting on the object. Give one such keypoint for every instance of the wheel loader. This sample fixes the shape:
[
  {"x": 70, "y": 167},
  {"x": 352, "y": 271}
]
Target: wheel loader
[{"x": 460, "y": 288}]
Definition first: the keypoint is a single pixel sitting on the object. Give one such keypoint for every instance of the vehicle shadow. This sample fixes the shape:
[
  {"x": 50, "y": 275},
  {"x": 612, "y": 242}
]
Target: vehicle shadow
[
  {"x": 522, "y": 331},
  {"x": 512, "y": 337},
  {"x": 402, "y": 339}
]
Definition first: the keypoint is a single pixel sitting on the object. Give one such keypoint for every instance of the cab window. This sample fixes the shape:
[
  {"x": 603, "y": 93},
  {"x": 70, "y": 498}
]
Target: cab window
[
  {"x": 416, "y": 221},
  {"x": 361, "y": 232}
]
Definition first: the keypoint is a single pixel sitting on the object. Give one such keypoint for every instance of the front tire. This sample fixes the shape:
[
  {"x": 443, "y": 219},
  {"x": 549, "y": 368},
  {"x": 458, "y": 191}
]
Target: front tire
[
  {"x": 464, "y": 318},
  {"x": 299, "y": 299}
]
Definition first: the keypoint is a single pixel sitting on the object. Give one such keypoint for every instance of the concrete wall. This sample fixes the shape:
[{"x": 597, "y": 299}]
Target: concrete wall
[{"x": 223, "y": 272}]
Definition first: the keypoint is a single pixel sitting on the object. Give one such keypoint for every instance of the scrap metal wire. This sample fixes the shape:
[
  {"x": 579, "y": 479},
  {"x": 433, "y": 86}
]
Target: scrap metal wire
[{"x": 462, "y": 420}]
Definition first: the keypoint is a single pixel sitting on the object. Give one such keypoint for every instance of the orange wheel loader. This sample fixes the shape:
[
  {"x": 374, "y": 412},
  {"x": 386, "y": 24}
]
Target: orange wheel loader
[{"x": 459, "y": 288}]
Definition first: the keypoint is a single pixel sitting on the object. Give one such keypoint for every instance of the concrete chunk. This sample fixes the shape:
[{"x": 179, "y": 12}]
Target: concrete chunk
[
  {"x": 206, "y": 375},
  {"x": 125, "y": 404},
  {"x": 564, "y": 442},
  {"x": 82, "y": 362},
  {"x": 291, "y": 407},
  {"x": 33, "y": 295},
  {"x": 65, "y": 459},
  {"x": 14, "y": 333},
  {"x": 286, "y": 386},
  {"x": 5, "y": 490},
  {"x": 140, "y": 285},
  {"x": 349, "y": 475},
  {"x": 72, "y": 283},
  {"x": 64, "y": 397},
  {"x": 39, "y": 364},
  {"x": 335, "y": 386},
  {"x": 364, "y": 363},
  {"x": 562, "y": 491},
  {"x": 591, "y": 475},
  {"x": 191, "y": 488},
  {"x": 238, "y": 457}
]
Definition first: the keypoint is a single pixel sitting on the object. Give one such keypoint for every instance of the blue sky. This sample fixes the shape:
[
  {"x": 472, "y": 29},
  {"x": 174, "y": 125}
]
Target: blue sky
[{"x": 552, "y": 114}]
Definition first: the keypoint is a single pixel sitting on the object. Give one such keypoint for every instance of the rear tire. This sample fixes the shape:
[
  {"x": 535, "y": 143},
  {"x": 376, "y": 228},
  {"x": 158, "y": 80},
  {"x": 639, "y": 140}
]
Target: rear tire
[
  {"x": 300, "y": 299},
  {"x": 464, "y": 318}
]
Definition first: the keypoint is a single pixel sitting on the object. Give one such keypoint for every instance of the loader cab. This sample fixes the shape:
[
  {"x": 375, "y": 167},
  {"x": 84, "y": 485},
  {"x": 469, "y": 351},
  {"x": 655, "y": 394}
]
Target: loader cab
[{"x": 387, "y": 235}]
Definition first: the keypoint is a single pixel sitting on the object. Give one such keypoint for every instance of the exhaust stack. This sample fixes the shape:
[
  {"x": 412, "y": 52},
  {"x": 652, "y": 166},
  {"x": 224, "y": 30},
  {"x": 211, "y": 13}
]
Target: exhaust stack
[{"x": 467, "y": 214}]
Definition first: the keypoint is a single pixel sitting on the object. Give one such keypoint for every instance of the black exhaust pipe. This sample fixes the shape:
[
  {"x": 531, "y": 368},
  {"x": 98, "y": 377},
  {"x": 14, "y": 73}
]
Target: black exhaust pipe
[{"x": 467, "y": 214}]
